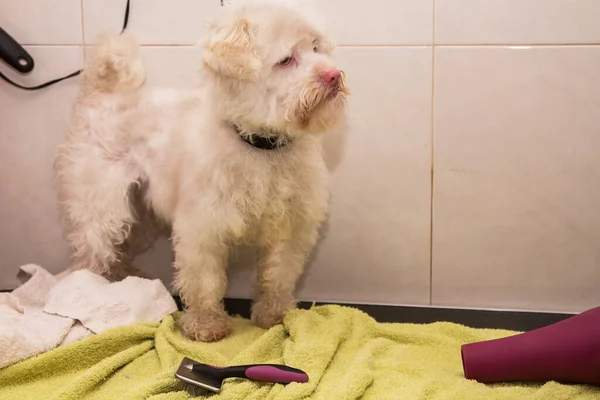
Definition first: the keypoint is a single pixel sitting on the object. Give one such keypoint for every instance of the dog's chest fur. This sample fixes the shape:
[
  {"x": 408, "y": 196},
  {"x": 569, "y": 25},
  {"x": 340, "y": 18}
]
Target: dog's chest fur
[{"x": 188, "y": 159}]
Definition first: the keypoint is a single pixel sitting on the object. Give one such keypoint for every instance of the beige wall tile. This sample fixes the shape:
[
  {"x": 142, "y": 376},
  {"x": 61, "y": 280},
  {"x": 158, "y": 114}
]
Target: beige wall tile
[
  {"x": 516, "y": 178},
  {"x": 33, "y": 124},
  {"x": 517, "y": 21},
  {"x": 42, "y": 21},
  {"x": 151, "y": 21},
  {"x": 379, "y": 22}
]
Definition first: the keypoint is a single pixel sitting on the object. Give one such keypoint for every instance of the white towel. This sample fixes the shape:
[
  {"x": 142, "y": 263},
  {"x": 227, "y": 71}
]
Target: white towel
[{"x": 48, "y": 311}]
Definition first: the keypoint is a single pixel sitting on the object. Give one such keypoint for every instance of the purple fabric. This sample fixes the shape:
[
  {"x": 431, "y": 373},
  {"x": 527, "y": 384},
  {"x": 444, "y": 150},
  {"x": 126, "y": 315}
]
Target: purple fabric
[
  {"x": 271, "y": 374},
  {"x": 567, "y": 352}
]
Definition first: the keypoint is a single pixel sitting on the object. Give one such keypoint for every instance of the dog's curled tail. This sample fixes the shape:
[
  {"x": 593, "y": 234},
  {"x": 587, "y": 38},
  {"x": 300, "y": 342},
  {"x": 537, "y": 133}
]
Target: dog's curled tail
[{"x": 116, "y": 66}]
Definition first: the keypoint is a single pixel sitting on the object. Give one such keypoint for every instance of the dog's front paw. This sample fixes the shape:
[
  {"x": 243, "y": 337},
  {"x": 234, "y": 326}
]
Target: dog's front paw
[
  {"x": 205, "y": 328},
  {"x": 268, "y": 313}
]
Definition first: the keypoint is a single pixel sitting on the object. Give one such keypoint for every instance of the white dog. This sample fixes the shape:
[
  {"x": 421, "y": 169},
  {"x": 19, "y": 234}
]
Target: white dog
[{"x": 239, "y": 160}]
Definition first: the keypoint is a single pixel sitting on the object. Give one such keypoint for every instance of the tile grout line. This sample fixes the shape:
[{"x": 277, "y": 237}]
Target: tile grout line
[
  {"x": 516, "y": 44},
  {"x": 432, "y": 161},
  {"x": 82, "y": 33},
  {"x": 505, "y": 45},
  {"x": 467, "y": 45}
]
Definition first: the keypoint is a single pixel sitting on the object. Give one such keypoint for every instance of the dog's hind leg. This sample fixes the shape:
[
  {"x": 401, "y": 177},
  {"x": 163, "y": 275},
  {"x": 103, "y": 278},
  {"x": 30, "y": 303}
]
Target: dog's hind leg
[
  {"x": 144, "y": 233},
  {"x": 97, "y": 215}
]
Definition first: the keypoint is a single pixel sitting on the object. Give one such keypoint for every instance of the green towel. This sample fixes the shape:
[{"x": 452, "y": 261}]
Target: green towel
[{"x": 345, "y": 352}]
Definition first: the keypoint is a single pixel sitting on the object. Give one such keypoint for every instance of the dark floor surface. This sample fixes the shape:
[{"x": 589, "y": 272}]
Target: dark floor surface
[{"x": 512, "y": 320}]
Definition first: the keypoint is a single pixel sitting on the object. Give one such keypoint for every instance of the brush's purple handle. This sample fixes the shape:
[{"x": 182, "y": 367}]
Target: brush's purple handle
[{"x": 275, "y": 373}]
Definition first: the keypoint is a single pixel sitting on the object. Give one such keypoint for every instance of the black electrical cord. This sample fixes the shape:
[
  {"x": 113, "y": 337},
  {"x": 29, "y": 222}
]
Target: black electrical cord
[{"x": 72, "y": 74}]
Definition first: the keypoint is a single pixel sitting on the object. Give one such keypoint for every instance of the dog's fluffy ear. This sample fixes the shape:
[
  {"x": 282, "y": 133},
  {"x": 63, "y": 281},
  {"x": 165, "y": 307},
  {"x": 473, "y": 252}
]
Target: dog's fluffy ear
[{"x": 233, "y": 54}]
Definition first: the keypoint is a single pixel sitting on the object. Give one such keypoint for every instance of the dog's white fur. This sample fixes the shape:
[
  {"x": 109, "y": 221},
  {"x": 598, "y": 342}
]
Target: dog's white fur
[{"x": 138, "y": 161}]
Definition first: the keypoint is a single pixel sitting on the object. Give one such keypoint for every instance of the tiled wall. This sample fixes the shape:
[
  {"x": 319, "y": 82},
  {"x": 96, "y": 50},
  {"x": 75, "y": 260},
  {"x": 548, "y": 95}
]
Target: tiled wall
[{"x": 499, "y": 98}]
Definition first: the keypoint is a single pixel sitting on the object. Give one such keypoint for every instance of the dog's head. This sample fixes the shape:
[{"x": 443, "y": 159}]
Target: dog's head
[{"x": 271, "y": 68}]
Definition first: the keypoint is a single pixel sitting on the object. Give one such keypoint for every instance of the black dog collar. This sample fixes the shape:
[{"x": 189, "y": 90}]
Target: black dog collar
[{"x": 272, "y": 142}]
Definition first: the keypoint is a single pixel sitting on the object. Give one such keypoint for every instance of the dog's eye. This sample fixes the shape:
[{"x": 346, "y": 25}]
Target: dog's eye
[
  {"x": 315, "y": 47},
  {"x": 286, "y": 61}
]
